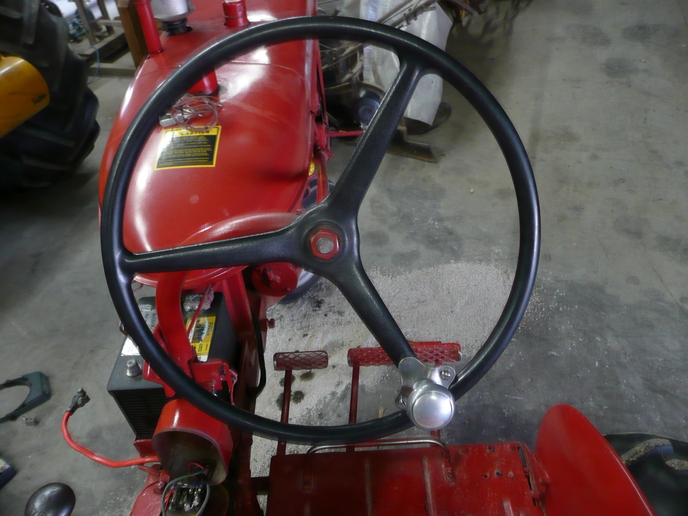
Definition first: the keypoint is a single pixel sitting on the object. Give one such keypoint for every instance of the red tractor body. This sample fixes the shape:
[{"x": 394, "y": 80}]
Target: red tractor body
[
  {"x": 247, "y": 175},
  {"x": 257, "y": 159}
]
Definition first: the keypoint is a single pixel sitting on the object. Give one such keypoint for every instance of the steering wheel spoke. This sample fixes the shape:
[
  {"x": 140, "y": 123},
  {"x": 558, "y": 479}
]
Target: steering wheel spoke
[
  {"x": 359, "y": 291},
  {"x": 249, "y": 250},
  {"x": 349, "y": 191}
]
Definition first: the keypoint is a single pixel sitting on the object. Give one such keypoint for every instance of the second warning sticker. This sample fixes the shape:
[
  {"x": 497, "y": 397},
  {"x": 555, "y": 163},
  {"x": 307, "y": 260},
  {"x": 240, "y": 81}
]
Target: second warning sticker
[
  {"x": 202, "y": 335},
  {"x": 185, "y": 148}
]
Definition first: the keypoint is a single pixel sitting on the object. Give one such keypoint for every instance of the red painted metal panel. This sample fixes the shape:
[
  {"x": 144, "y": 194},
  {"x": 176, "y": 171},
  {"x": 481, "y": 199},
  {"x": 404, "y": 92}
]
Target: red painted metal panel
[
  {"x": 265, "y": 111},
  {"x": 148, "y": 500},
  {"x": 267, "y": 97},
  {"x": 415, "y": 481},
  {"x": 144, "y": 447},
  {"x": 172, "y": 441},
  {"x": 586, "y": 475}
]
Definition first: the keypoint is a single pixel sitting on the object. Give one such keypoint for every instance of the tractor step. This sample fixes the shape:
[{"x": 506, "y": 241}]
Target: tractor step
[
  {"x": 300, "y": 360},
  {"x": 429, "y": 352}
]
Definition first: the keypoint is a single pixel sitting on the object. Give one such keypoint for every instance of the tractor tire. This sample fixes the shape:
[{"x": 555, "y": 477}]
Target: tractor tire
[{"x": 53, "y": 143}]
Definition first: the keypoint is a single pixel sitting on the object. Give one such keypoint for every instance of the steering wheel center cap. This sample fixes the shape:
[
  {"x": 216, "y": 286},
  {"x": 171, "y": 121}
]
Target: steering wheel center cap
[
  {"x": 324, "y": 243},
  {"x": 430, "y": 406}
]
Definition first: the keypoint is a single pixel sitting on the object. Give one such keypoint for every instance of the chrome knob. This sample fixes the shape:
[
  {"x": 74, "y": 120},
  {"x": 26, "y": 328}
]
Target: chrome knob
[
  {"x": 430, "y": 406},
  {"x": 425, "y": 393}
]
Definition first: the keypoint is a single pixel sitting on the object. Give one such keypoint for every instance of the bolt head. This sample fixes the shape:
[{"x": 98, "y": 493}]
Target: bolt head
[
  {"x": 133, "y": 368},
  {"x": 324, "y": 243}
]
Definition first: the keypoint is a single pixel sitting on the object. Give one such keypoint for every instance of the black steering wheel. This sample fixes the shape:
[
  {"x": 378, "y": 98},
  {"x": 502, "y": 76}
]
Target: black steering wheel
[{"x": 325, "y": 239}]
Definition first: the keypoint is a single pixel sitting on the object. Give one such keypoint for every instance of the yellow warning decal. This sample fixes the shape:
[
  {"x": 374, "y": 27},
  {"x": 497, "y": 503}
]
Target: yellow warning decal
[
  {"x": 202, "y": 335},
  {"x": 185, "y": 148}
]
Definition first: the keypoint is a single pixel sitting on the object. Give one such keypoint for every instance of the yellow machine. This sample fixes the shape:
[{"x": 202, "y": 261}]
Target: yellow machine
[
  {"x": 47, "y": 112},
  {"x": 23, "y": 92}
]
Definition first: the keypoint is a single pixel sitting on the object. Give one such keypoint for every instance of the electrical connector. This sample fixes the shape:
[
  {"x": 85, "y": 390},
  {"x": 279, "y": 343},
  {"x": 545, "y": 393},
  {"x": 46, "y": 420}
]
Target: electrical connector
[
  {"x": 167, "y": 121},
  {"x": 78, "y": 401}
]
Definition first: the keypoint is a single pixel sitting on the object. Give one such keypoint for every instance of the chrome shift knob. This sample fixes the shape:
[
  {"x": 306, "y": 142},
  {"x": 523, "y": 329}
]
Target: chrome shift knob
[{"x": 425, "y": 395}]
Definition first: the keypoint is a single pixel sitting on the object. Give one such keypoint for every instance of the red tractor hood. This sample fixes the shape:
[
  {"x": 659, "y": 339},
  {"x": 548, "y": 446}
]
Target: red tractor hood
[{"x": 255, "y": 162}]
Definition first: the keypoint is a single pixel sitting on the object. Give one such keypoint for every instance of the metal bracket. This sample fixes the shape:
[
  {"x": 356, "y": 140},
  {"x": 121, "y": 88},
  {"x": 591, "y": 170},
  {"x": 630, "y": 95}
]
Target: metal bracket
[{"x": 39, "y": 393}]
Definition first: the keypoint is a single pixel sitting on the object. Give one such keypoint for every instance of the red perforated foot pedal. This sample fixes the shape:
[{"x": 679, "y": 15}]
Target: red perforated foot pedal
[
  {"x": 432, "y": 352},
  {"x": 295, "y": 361},
  {"x": 300, "y": 360}
]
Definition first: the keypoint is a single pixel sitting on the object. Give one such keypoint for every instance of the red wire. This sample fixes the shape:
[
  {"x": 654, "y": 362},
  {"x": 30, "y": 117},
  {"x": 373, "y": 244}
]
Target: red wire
[
  {"x": 193, "y": 320},
  {"x": 194, "y": 464},
  {"x": 97, "y": 458}
]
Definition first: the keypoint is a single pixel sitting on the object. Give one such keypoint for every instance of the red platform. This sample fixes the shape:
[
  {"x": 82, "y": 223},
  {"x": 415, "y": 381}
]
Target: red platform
[
  {"x": 481, "y": 479},
  {"x": 575, "y": 473}
]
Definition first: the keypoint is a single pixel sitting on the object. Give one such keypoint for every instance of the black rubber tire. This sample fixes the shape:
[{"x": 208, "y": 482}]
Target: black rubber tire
[
  {"x": 659, "y": 468},
  {"x": 54, "y": 142}
]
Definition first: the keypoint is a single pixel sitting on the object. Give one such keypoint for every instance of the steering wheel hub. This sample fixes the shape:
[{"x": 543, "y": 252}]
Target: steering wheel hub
[{"x": 324, "y": 243}]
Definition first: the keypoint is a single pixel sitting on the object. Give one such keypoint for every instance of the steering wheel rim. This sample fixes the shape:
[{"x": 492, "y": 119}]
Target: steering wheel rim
[{"x": 417, "y": 58}]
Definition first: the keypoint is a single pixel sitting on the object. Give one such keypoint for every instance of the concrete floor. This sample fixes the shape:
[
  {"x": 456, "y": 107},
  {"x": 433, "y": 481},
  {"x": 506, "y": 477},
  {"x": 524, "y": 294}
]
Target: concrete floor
[{"x": 597, "y": 92}]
